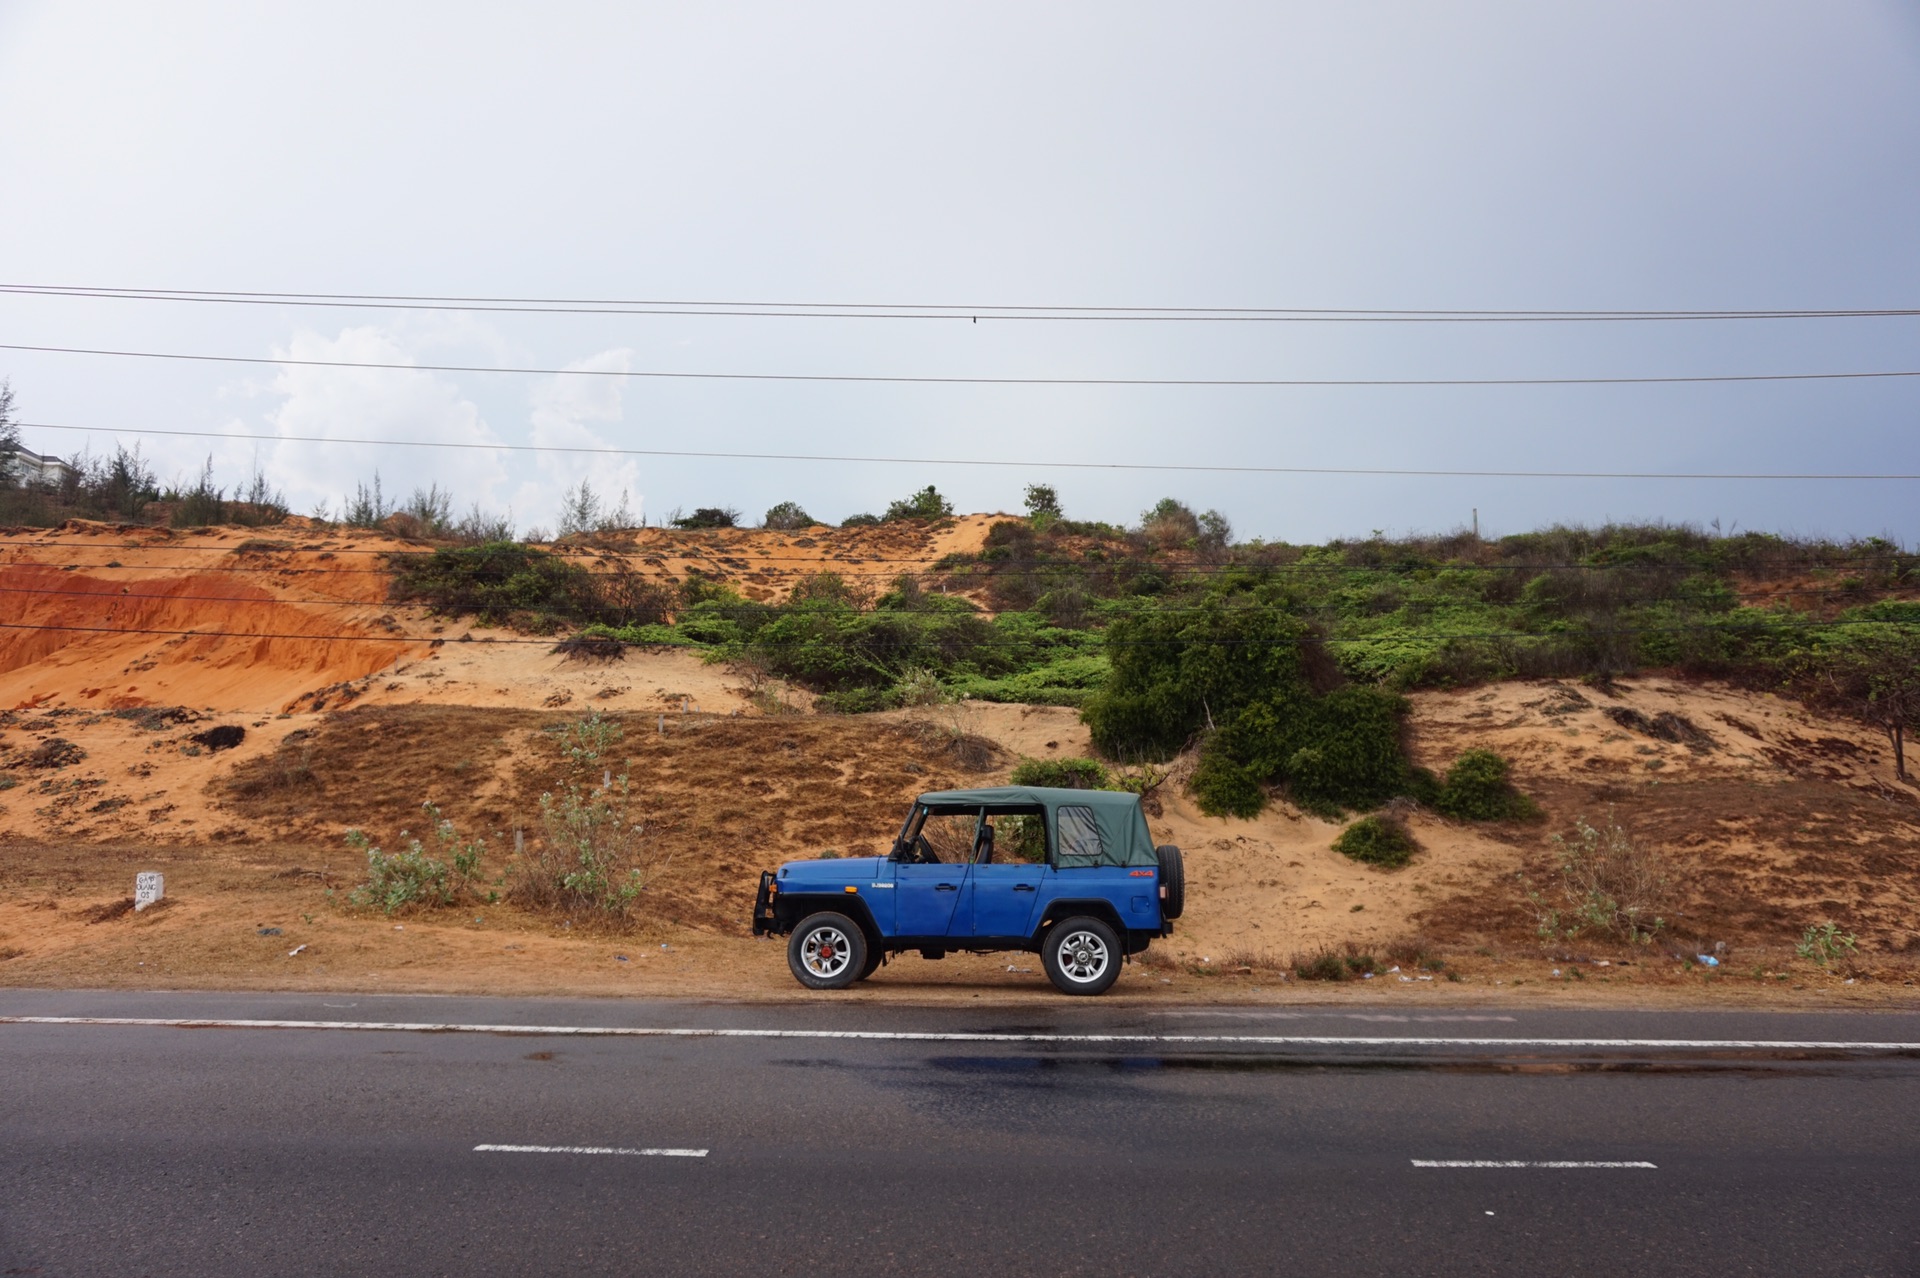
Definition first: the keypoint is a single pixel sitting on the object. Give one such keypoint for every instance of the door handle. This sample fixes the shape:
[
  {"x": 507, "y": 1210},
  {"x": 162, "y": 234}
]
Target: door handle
[
  {"x": 947, "y": 887},
  {"x": 1023, "y": 887}
]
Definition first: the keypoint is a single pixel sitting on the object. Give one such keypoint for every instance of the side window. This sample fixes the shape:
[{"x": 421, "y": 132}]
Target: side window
[
  {"x": 947, "y": 837},
  {"x": 1020, "y": 839},
  {"x": 1079, "y": 838}
]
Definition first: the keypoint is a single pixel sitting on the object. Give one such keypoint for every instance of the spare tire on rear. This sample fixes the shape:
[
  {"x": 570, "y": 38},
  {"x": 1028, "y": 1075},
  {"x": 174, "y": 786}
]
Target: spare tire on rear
[{"x": 1173, "y": 882}]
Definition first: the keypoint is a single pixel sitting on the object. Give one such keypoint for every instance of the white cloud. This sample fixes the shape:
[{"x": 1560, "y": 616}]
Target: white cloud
[
  {"x": 562, "y": 407},
  {"x": 350, "y": 404}
]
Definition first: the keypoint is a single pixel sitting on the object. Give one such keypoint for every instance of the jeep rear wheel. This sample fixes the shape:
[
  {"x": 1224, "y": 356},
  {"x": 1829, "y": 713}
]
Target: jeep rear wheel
[
  {"x": 1081, "y": 955},
  {"x": 827, "y": 952}
]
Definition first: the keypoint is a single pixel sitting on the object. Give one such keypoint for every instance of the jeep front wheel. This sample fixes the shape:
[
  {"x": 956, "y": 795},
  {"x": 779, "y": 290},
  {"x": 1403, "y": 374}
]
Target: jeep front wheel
[
  {"x": 827, "y": 952},
  {"x": 1082, "y": 956}
]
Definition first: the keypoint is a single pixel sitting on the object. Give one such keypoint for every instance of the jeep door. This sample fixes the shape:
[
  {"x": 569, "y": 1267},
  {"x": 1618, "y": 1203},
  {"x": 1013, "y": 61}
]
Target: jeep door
[
  {"x": 1007, "y": 873},
  {"x": 927, "y": 882}
]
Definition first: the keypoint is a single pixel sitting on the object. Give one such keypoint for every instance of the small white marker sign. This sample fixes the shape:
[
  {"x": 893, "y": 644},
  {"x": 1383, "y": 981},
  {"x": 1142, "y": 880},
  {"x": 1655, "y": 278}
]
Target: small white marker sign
[{"x": 148, "y": 887}]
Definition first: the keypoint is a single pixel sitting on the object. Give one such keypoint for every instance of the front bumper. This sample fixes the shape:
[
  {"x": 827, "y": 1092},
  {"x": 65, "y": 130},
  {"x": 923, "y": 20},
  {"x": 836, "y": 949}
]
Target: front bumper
[{"x": 764, "y": 920}]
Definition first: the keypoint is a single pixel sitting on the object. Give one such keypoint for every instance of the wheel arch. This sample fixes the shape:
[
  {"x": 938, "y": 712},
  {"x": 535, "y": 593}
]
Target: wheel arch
[
  {"x": 1069, "y": 907},
  {"x": 791, "y": 909}
]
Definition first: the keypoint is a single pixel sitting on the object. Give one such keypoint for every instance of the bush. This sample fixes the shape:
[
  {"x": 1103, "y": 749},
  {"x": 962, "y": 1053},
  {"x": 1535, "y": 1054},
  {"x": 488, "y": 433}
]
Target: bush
[
  {"x": 1477, "y": 789},
  {"x": 1825, "y": 942},
  {"x": 1224, "y": 788},
  {"x": 787, "y": 516},
  {"x": 711, "y": 517},
  {"x": 860, "y": 521},
  {"x": 594, "y": 857},
  {"x": 1043, "y": 502},
  {"x": 1604, "y": 882},
  {"x": 1321, "y": 965},
  {"x": 1064, "y": 774},
  {"x": 1170, "y": 523},
  {"x": 927, "y": 504},
  {"x": 537, "y": 590},
  {"x": 1250, "y": 673},
  {"x": 415, "y": 879},
  {"x": 1377, "y": 840}
]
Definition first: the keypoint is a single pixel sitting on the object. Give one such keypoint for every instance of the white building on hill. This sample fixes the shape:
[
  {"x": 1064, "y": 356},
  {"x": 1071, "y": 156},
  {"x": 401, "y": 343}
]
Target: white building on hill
[{"x": 41, "y": 471}]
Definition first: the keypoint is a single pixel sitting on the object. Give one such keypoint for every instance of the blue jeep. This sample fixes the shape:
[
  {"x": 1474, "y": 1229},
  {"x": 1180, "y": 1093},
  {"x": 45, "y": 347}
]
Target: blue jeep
[{"x": 1070, "y": 874}]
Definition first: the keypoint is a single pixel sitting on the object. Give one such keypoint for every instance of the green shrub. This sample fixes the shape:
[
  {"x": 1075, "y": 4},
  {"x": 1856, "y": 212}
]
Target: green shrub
[
  {"x": 415, "y": 879},
  {"x": 1605, "y": 881},
  {"x": 1224, "y": 788},
  {"x": 1322, "y": 965},
  {"x": 507, "y": 581},
  {"x": 1377, "y": 840},
  {"x": 927, "y": 504},
  {"x": 1825, "y": 942},
  {"x": 710, "y": 517},
  {"x": 1477, "y": 789},
  {"x": 787, "y": 516},
  {"x": 860, "y": 521},
  {"x": 1065, "y": 774},
  {"x": 1245, "y": 670}
]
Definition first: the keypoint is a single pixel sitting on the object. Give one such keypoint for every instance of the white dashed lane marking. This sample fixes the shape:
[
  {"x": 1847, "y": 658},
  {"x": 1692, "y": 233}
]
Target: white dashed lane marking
[
  {"x": 1553, "y": 1163},
  {"x": 588, "y": 1149}
]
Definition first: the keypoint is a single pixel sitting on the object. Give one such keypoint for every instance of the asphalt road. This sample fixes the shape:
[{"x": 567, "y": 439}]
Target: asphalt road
[{"x": 165, "y": 1150}]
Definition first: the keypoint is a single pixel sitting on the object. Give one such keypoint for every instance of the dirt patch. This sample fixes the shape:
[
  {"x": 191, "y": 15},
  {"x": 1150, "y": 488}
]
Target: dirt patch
[
  {"x": 1664, "y": 726},
  {"x": 108, "y": 911},
  {"x": 224, "y": 737}
]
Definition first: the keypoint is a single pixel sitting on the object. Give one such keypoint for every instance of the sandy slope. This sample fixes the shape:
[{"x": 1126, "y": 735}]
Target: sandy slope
[{"x": 352, "y": 712}]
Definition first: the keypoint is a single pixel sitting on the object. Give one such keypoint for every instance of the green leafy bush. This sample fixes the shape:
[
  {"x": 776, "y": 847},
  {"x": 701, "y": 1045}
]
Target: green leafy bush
[
  {"x": 1604, "y": 881},
  {"x": 710, "y": 517},
  {"x": 1321, "y": 965},
  {"x": 1065, "y": 774},
  {"x": 927, "y": 504},
  {"x": 1224, "y": 788},
  {"x": 1377, "y": 840},
  {"x": 413, "y": 878},
  {"x": 1477, "y": 789},
  {"x": 1825, "y": 942},
  {"x": 507, "y": 581},
  {"x": 1243, "y": 671},
  {"x": 787, "y": 516}
]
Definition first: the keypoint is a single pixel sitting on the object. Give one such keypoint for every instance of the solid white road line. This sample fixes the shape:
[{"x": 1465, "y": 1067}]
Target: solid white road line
[
  {"x": 1487, "y": 1162},
  {"x": 967, "y": 1036},
  {"x": 588, "y": 1149}
]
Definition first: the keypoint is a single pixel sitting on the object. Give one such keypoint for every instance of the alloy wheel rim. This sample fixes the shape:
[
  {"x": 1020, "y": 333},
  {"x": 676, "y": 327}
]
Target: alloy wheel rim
[
  {"x": 1083, "y": 957},
  {"x": 826, "y": 952}
]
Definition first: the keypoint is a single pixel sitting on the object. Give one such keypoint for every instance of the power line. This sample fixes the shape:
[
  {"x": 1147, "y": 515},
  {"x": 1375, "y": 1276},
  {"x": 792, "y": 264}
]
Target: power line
[
  {"x": 935, "y": 311},
  {"x": 608, "y": 451},
  {"x": 903, "y": 380}
]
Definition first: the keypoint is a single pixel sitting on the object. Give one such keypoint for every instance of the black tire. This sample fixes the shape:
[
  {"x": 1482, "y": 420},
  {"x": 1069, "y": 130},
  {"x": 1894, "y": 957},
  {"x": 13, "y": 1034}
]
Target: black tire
[
  {"x": 875, "y": 957},
  {"x": 1173, "y": 882},
  {"x": 1082, "y": 956},
  {"x": 827, "y": 951}
]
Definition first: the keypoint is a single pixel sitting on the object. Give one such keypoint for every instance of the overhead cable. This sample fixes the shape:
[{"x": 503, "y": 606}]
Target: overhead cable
[
  {"x": 962, "y": 312},
  {"x": 916, "y": 380},
  {"x": 851, "y": 459}
]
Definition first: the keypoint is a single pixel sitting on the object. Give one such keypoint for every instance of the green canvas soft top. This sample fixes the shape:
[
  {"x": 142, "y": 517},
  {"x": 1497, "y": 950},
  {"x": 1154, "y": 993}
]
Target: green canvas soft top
[{"x": 1123, "y": 826}]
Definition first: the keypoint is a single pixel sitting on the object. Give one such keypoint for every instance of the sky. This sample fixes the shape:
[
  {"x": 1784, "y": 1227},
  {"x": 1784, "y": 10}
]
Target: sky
[{"x": 1573, "y": 156}]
